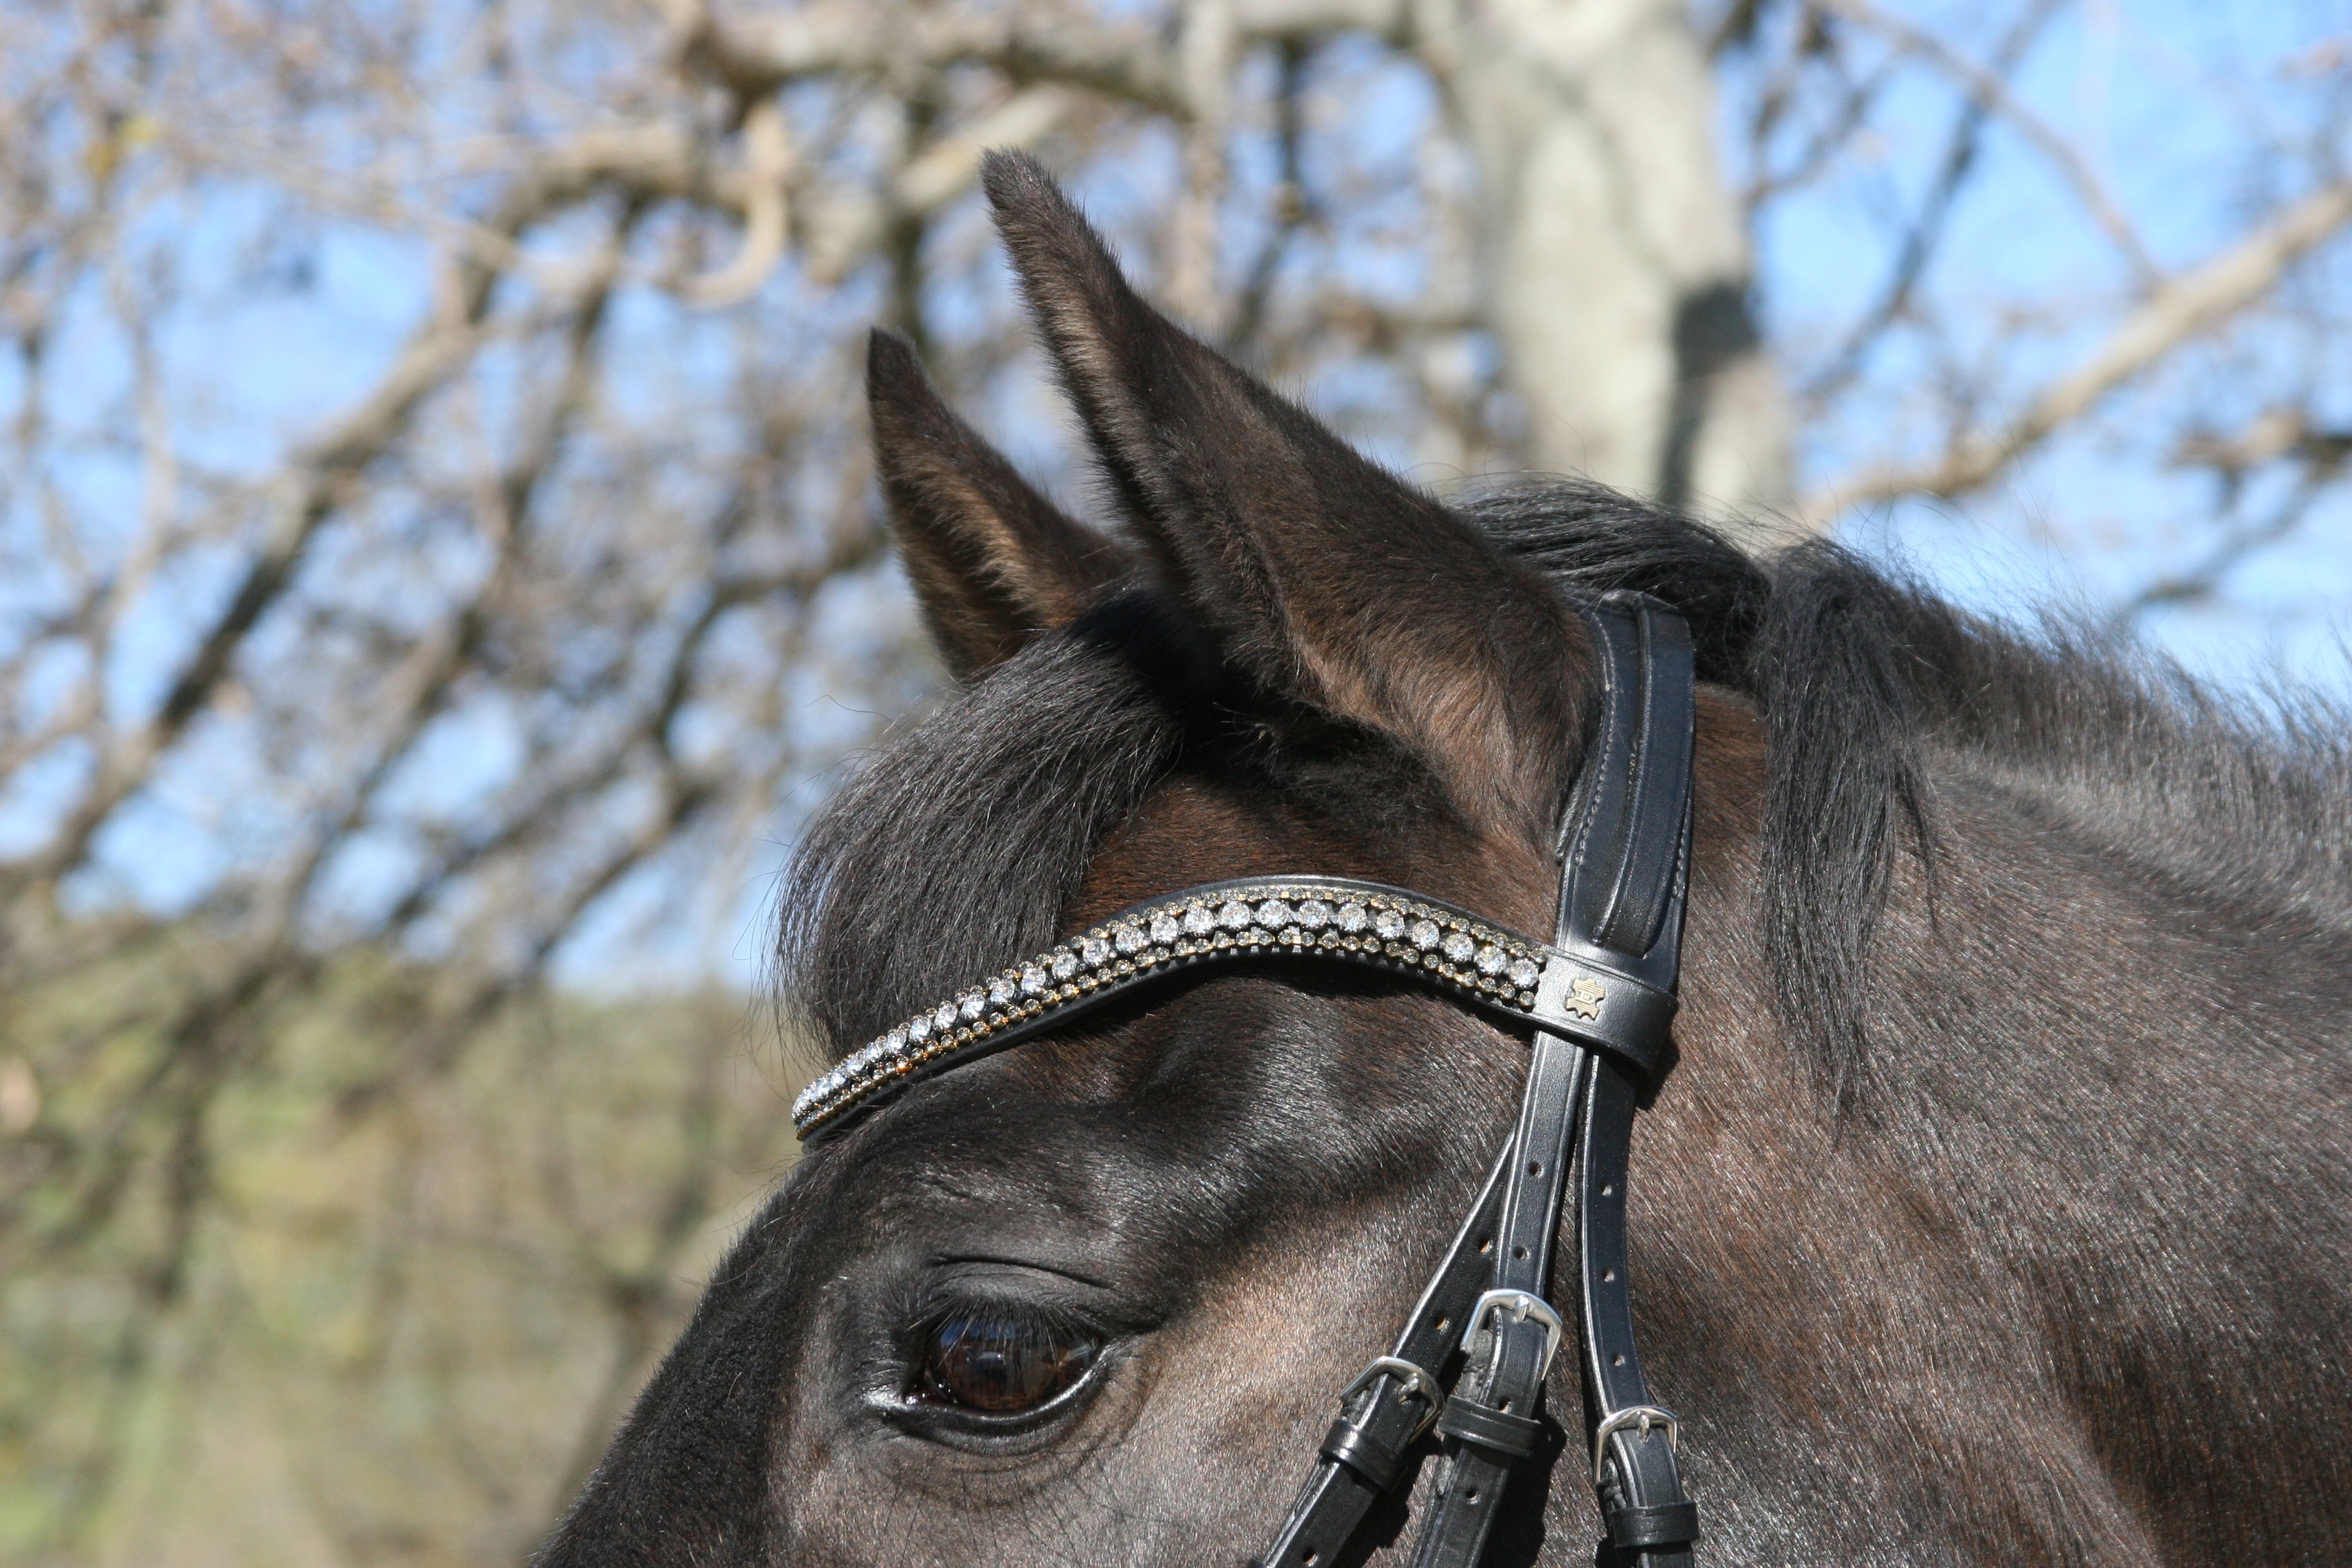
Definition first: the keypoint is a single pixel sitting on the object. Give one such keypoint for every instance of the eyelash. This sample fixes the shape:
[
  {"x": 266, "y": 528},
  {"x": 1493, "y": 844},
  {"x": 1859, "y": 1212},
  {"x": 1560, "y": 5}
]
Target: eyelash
[{"x": 998, "y": 1361}]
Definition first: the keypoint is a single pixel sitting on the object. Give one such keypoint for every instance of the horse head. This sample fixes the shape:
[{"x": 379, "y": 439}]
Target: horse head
[{"x": 1091, "y": 1300}]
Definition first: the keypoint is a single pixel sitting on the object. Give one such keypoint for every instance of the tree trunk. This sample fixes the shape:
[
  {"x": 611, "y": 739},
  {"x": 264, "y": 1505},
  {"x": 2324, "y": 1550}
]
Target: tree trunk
[{"x": 1617, "y": 271}]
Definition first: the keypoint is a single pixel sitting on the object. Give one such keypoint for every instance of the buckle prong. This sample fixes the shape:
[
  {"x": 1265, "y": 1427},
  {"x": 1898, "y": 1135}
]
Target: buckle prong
[
  {"x": 1521, "y": 1305},
  {"x": 1643, "y": 1417},
  {"x": 1418, "y": 1384}
]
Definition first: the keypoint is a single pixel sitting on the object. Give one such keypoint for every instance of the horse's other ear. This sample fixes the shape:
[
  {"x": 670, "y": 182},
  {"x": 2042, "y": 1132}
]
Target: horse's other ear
[
  {"x": 993, "y": 561},
  {"x": 1319, "y": 575}
]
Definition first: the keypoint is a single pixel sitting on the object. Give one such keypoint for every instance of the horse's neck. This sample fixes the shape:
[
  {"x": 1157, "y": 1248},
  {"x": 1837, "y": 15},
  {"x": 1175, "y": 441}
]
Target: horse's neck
[{"x": 2100, "y": 1148}]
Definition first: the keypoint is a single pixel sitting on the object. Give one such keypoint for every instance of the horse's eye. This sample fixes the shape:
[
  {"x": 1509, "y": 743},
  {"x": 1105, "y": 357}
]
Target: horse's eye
[{"x": 1003, "y": 1363}]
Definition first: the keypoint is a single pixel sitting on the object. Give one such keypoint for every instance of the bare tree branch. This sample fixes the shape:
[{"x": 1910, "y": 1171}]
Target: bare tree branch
[
  {"x": 1926, "y": 228},
  {"x": 756, "y": 56},
  {"x": 2201, "y": 580},
  {"x": 2177, "y": 311},
  {"x": 559, "y": 603},
  {"x": 1991, "y": 87},
  {"x": 2281, "y": 432},
  {"x": 767, "y": 225}
]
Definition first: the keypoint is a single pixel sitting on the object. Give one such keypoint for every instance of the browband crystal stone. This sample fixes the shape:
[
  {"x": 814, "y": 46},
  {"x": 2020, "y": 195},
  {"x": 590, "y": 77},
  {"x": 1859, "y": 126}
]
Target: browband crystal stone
[{"x": 1352, "y": 921}]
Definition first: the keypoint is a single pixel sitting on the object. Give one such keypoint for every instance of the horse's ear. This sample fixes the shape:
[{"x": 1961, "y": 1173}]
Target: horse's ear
[
  {"x": 1325, "y": 578},
  {"x": 993, "y": 561}
]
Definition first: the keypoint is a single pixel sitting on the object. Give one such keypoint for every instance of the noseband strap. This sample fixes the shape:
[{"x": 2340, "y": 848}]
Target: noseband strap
[
  {"x": 1471, "y": 1363},
  {"x": 1483, "y": 1325}
]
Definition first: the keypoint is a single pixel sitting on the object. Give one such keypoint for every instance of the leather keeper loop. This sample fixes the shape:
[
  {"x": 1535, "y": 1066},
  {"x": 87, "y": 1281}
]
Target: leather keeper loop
[
  {"x": 1660, "y": 1524},
  {"x": 1489, "y": 1427},
  {"x": 1351, "y": 1446},
  {"x": 1627, "y": 1021}
]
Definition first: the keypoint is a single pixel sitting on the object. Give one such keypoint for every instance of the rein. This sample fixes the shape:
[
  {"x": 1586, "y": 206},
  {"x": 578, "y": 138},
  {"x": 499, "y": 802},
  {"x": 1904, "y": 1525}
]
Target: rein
[{"x": 1471, "y": 1360}]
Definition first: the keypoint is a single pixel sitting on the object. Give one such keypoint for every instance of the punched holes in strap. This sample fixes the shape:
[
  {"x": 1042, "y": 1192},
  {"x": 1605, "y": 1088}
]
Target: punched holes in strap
[
  {"x": 1634, "y": 1446},
  {"x": 1620, "y": 908},
  {"x": 1624, "y": 850},
  {"x": 1636, "y": 898}
]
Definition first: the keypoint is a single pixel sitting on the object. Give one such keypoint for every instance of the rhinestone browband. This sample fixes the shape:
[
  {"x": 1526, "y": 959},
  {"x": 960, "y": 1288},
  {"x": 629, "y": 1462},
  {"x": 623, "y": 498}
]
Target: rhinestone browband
[{"x": 1363, "y": 924}]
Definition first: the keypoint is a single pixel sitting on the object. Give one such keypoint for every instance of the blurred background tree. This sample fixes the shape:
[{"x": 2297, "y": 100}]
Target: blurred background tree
[{"x": 441, "y": 564}]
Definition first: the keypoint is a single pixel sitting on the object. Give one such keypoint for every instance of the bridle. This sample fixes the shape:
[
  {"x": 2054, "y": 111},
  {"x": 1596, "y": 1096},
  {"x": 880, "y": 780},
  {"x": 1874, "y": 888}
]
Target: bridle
[{"x": 1471, "y": 1360}]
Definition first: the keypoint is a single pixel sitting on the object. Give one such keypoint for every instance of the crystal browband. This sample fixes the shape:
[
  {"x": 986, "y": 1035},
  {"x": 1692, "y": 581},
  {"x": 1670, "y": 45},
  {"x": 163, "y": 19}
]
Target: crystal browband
[{"x": 1339, "y": 919}]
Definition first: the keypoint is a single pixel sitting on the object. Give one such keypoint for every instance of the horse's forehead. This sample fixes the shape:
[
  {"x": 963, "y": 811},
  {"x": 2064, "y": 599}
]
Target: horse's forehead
[{"x": 1191, "y": 831}]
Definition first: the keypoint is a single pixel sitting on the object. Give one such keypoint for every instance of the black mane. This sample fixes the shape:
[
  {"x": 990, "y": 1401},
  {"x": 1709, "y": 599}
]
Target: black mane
[{"x": 955, "y": 851}]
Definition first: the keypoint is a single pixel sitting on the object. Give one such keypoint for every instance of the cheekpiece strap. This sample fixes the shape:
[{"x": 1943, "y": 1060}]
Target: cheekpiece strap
[
  {"x": 1624, "y": 853},
  {"x": 1582, "y": 993},
  {"x": 1471, "y": 1363}
]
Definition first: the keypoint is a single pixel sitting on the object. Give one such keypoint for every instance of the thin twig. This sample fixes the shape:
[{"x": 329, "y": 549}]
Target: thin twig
[{"x": 2177, "y": 311}]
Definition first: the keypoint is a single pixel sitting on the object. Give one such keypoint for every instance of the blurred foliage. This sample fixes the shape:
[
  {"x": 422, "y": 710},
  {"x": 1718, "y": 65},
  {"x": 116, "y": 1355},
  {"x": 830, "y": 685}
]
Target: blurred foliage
[{"x": 409, "y": 1312}]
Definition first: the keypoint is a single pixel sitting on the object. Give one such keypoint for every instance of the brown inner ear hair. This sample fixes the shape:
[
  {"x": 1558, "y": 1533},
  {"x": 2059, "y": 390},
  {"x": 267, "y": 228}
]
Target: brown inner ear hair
[{"x": 993, "y": 561}]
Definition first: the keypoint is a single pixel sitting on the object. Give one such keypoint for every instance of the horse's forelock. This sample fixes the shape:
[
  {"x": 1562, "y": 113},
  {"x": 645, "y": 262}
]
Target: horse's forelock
[{"x": 956, "y": 848}]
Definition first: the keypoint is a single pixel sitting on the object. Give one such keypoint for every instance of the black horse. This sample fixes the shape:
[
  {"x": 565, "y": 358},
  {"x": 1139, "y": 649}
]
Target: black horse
[{"x": 1996, "y": 1211}]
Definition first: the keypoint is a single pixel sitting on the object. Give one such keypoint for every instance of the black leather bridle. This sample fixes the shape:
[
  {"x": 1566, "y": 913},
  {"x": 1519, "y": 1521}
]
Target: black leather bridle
[{"x": 1470, "y": 1363}]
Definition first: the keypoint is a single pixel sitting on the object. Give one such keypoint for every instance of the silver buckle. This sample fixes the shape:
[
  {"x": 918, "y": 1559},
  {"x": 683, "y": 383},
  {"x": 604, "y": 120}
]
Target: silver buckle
[
  {"x": 1641, "y": 1416},
  {"x": 1522, "y": 1306},
  {"x": 1417, "y": 1384}
]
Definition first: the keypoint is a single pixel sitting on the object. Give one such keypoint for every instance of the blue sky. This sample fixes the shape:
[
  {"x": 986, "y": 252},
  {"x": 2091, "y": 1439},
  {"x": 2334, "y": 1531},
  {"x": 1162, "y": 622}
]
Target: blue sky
[{"x": 2194, "y": 116}]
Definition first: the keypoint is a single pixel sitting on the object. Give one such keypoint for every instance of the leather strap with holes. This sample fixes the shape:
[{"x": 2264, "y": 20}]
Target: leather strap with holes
[{"x": 1484, "y": 1327}]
